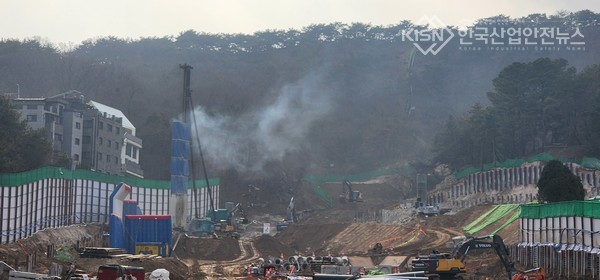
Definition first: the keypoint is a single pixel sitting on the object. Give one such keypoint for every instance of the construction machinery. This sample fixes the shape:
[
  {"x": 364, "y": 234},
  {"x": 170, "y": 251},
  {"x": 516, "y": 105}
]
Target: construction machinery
[
  {"x": 232, "y": 225},
  {"x": 426, "y": 209},
  {"x": 348, "y": 194},
  {"x": 451, "y": 265},
  {"x": 290, "y": 216},
  {"x": 376, "y": 250},
  {"x": 219, "y": 223}
]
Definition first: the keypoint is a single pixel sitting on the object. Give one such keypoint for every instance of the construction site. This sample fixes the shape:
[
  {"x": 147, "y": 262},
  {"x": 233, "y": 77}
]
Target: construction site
[
  {"x": 365, "y": 228},
  {"x": 390, "y": 223}
]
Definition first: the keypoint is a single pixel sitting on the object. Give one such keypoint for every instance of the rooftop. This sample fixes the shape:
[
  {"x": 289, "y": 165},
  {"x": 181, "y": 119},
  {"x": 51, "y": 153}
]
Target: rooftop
[{"x": 110, "y": 111}]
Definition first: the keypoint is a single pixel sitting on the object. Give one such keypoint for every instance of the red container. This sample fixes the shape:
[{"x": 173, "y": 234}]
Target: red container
[
  {"x": 114, "y": 271},
  {"x": 110, "y": 272},
  {"x": 137, "y": 273}
]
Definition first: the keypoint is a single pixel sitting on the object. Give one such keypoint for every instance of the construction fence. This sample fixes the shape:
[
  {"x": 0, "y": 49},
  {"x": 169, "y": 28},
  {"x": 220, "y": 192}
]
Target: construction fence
[
  {"x": 562, "y": 237},
  {"x": 559, "y": 263},
  {"x": 53, "y": 197}
]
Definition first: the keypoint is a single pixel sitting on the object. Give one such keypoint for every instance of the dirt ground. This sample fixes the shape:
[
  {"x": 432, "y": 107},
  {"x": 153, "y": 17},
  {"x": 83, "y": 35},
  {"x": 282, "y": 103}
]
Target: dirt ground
[{"x": 344, "y": 229}]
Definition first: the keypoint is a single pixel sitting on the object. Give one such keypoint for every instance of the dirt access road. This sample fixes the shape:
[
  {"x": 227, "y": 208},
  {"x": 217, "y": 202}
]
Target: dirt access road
[{"x": 343, "y": 229}]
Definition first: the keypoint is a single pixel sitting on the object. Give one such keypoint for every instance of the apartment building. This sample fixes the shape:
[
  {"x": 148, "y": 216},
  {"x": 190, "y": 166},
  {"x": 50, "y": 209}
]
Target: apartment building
[
  {"x": 62, "y": 122},
  {"x": 111, "y": 145},
  {"x": 94, "y": 136}
]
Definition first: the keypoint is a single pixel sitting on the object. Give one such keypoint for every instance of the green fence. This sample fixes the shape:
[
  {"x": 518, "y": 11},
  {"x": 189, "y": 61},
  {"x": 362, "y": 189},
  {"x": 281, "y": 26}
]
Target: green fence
[
  {"x": 18, "y": 179},
  {"x": 587, "y": 162},
  {"x": 587, "y": 208}
]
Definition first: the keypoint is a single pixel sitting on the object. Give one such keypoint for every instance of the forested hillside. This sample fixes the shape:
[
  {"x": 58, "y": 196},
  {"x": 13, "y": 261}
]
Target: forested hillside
[{"x": 333, "y": 98}]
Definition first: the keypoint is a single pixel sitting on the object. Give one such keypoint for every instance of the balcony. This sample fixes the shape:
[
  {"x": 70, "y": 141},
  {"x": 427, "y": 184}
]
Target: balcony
[{"x": 133, "y": 169}]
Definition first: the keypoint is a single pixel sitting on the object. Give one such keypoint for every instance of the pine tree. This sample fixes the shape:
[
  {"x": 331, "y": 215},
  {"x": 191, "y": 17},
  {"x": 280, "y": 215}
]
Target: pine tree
[{"x": 558, "y": 183}]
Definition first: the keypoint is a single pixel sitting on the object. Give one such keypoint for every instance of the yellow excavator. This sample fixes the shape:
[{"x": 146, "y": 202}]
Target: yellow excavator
[{"x": 451, "y": 265}]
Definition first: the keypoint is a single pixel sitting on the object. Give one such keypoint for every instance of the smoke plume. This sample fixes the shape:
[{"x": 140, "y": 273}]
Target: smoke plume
[{"x": 248, "y": 142}]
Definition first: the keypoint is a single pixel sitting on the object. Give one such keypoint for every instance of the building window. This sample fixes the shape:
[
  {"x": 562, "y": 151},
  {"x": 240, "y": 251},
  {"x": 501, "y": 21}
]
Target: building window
[
  {"x": 109, "y": 143},
  {"x": 100, "y": 125},
  {"x": 107, "y": 158},
  {"x": 116, "y": 160},
  {"x": 32, "y": 118},
  {"x": 99, "y": 156},
  {"x": 86, "y": 155},
  {"x": 32, "y": 107},
  {"x": 109, "y": 127},
  {"x": 100, "y": 140},
  {"x": 76, "y": 157},
  {"x": 77, "y": 141},
  {"x": 58, "y": 137},
  {"x": 131, "y": 151},
  {"x": 118, "y": 130},
  {"x": 88, "y": 124},
  {"x": 87, "y": 139},
  {"x": 78, "y": 125},
  {"x": 116, "y": 145}
]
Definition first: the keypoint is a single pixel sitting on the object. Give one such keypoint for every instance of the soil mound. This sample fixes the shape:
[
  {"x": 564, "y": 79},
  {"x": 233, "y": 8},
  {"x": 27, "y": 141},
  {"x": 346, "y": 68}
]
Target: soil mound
[
  {"x": 269, "y": 246},
  {"x": 189, "y": 247}
]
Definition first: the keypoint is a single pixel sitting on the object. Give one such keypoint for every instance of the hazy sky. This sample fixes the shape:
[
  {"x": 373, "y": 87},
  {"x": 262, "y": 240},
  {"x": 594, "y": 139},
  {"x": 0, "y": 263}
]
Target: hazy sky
[{"x": 78, "y": 20}]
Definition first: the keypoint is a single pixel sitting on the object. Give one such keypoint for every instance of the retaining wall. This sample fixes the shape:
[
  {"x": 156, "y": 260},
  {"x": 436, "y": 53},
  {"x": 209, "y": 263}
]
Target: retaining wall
[{"x": 500, "y": 185}]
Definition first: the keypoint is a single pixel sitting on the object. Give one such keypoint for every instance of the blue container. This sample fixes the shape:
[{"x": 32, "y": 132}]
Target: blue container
[
  {"x": 116, "y": 232},
  {"x": 147, "y": 228}
]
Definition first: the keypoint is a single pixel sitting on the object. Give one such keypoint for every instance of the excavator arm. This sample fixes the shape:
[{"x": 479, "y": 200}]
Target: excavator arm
[{"x": 487, "y": 242}]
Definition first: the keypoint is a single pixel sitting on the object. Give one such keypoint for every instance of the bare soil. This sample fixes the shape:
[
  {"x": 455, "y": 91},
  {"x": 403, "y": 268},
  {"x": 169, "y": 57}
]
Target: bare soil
[{"x": 344, "y": 229}]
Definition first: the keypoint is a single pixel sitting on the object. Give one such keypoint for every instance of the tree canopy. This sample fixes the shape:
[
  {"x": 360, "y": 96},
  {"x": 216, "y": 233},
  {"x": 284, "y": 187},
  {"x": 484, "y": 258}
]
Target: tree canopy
[
  {"x": 386, "y": 101},
  {"x": 533, "y": 105},
  {"x": 22, "y": 148},
  {"x": 558, "y": 183}
]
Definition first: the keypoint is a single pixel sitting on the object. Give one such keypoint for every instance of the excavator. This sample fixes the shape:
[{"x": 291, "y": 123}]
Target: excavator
[
  {"x": 451, "y": 265},
  {"x": 348, "y": 194},
  {"x": 290, "y": 216}
]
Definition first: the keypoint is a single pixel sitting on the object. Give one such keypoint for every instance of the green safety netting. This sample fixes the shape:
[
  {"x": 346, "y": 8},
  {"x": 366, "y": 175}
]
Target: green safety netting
[
  {"x": 18, "y": 179},
  {"x": 587, "y": 208},
  {"x": 591, "y": 163},
  {"x": 323, "y": 195},
  {"x": 541, "y": 157},
  {"x": 406, "y": 170},
  {"x": 465, "y": 172},
  {"x": 513, "y": 218},
  {"x": 480, "y": 218},
  {"x": 587, "y": 162},
  {"x": 490, "y": 217},
  {"x": 314, "y": 181}
]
